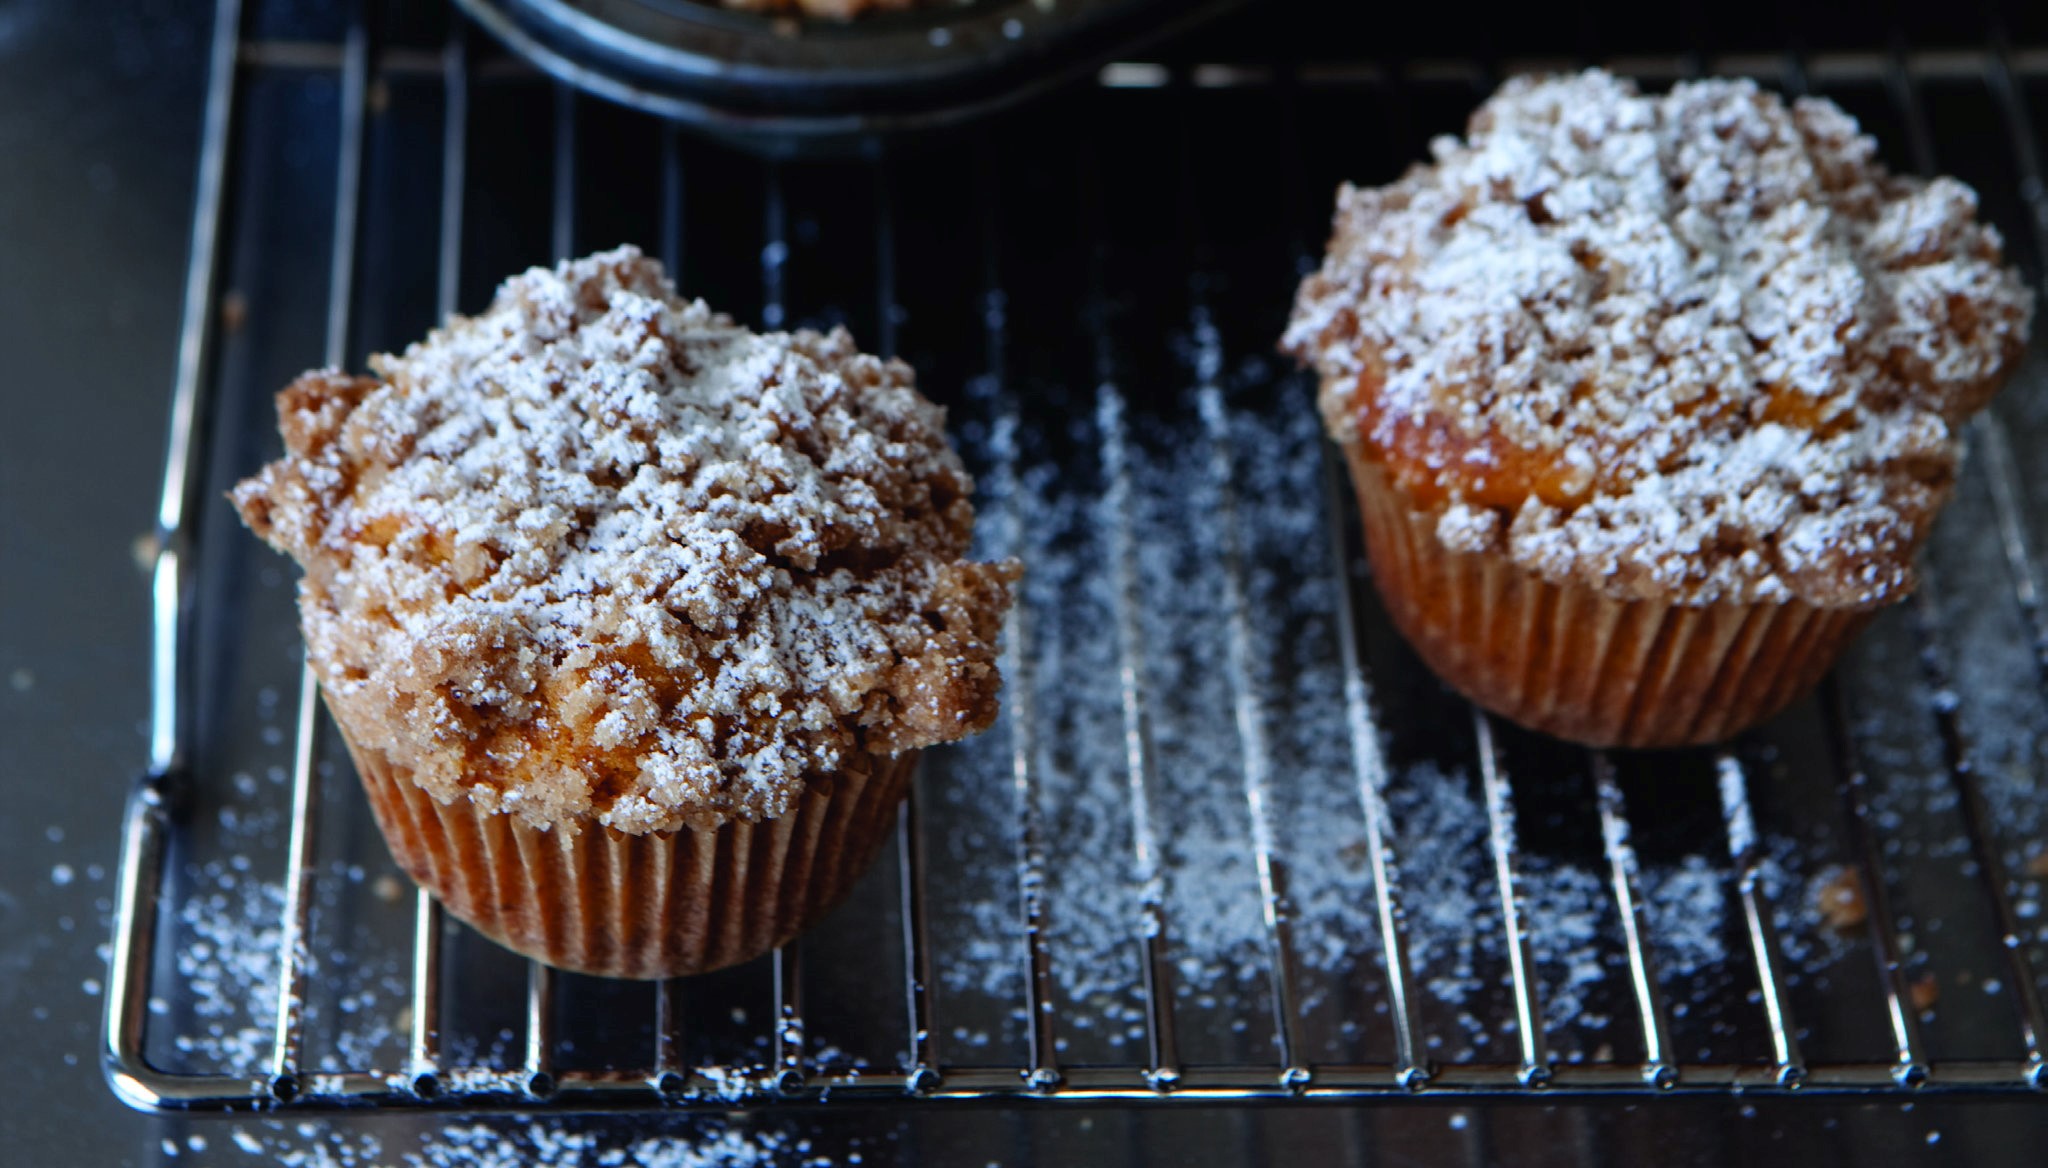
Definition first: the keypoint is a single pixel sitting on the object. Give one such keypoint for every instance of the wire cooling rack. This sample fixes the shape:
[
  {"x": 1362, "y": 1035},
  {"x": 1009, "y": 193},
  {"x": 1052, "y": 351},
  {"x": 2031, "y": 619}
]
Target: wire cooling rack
[{"x": 1929, "y": 981}]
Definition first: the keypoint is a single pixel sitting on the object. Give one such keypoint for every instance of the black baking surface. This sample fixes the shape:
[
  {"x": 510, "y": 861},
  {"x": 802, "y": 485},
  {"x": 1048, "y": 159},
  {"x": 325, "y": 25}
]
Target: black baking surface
[{"x": 99, "y": 117}]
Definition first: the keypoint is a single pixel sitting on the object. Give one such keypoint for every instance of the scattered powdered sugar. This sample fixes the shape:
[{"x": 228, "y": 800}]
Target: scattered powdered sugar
[
  {"x": 1697, "y": 346},
  {"x": 1455, "y": 935},
  {"x": 528, "y": 1143},
  {"x": 1735, "y": 806},
  {"x": 1688, "y": 904},
  {"x": 1570, "y": 906},
  {"x": 1090, "y": 870},
  {"x": 1052, "y": 515},
  {"x": 227, "y": 933},
  {"x": 230, "y": 933},
  {"x": 1206, "y": 884},
  {"x": 1446, "y": 881},
  {"x": 228, "y": 960},
  {"x": 602, "y": 552},
  {"x": 547, "y": 1146},
  {"x": 1995, "y": 667}
]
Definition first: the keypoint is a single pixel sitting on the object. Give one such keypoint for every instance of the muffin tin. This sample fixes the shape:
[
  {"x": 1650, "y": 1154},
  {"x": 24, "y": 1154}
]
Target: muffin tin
[{"x": 784, "y": 84}]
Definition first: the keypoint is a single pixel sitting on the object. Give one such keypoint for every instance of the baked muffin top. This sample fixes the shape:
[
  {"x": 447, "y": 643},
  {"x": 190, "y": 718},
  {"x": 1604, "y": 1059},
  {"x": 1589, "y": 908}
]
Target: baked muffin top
[
  {"x": 600, "y": 552},
  {"x": 1696, "y": 347}
]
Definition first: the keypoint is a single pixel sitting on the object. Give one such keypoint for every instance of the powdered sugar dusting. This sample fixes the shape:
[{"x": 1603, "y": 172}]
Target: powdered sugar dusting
[
  {"x": 1734, "y": 786},
  {"x": 228, "y": 960},
  {"x": 1698, "y": 346},
  {"x": 599, "y": 551},
  {"x": 531, "y": 1144},
  {"x": 545, "y": 1146},
  {"x": 1206, "y": 874}
]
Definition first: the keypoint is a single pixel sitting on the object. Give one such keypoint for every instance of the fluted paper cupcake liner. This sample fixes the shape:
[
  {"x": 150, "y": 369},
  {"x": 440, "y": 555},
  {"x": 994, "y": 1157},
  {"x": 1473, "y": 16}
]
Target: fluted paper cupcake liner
[
  {"x": 607, "y": 902},
  {"x": 1571, "y": 661}
]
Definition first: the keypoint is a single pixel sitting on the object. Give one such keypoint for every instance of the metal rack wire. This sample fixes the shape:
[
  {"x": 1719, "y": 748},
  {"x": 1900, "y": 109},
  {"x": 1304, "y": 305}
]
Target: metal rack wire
[{"x": 668, "y": 1079}]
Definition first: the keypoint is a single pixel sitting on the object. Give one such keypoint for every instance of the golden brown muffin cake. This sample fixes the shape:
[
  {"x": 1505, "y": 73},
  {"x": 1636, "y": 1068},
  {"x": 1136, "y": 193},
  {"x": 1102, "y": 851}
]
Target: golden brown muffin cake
[
  {"x": 1650, "y": 401},
  {"x": 634, "y": 620}
]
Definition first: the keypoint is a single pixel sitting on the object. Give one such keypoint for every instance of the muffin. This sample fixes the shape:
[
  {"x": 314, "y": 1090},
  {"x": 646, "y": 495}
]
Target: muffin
[
  {"x": 1650, "y": 401},
  {"x": 634, "y": 621}
]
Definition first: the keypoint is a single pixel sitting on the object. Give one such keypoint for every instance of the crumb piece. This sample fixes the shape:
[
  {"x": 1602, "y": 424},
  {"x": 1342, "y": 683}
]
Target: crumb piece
[
  {"x": 1840, "y": 902},
  {"x": 234, "y": 311},
  {"x": 1925, "y": 991},
  {"x": 1465, "y": 528}
]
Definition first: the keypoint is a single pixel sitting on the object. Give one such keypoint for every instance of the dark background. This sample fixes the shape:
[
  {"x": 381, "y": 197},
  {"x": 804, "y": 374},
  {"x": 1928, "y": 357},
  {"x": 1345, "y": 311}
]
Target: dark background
[{"x": 99, "y": 119}]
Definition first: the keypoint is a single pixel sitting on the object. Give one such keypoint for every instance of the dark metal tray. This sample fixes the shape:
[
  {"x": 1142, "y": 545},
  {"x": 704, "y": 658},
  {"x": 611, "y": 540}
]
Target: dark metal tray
[{"x": 781, "y": 84}]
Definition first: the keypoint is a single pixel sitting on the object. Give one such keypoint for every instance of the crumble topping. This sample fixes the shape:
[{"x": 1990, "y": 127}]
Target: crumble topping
[
  {"x": 1726, "y": 353},
  {"x": 602, "y": 552}
]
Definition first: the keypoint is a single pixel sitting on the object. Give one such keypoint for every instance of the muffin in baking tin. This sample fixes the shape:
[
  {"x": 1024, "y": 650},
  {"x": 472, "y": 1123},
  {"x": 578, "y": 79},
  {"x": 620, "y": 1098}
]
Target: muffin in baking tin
[
  {"x": 634, "y": 620},
  {"x": 1649, "y": 401},
  {"x": 827, "y": 9}
]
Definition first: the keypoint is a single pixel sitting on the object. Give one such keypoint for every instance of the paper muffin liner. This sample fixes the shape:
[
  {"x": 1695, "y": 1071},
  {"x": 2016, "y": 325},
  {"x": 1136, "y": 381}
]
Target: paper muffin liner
[
  {"x": 607, "y": 902},
  {"x": 1571, "y": 661}
]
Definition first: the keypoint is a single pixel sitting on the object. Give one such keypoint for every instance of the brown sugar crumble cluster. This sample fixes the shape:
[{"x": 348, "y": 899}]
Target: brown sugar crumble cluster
[
  {"x": 1697, "y": 347},
  {"x": 602, "y": 552}
]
